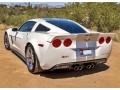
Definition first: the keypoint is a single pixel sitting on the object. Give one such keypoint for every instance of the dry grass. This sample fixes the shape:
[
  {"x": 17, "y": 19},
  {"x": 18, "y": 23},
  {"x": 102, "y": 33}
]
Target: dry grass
[
  {"x": 4, "y": 27},
  {"x": 117, "y": 36}
]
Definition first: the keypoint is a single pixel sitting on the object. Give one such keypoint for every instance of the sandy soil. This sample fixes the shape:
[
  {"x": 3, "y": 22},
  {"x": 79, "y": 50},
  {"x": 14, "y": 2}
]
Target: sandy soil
[{"x": 14, "y": 73}]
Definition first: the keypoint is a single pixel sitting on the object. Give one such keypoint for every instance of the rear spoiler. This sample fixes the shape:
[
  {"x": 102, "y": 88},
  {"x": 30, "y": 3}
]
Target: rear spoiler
[
  {"x": 85, "y": 36},
  {"x": 107, "y": 34}
]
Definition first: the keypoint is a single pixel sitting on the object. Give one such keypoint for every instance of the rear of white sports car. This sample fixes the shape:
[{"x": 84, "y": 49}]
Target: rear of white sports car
[
  {"x": 68, "y": 51},
  {"x": 76, "y": 51}
]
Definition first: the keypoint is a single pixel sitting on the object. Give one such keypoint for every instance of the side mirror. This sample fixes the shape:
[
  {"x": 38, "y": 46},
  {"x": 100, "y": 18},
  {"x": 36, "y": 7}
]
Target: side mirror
[{"x": 14, "y": 29}]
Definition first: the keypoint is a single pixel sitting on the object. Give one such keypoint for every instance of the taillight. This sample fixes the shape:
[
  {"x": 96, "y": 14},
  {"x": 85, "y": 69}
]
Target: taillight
[
  {"x": 108, "y": 39},
  {"x": 56, "y": 43},
  {"x": 101, "y": 40},
  {"x": 67, "y": 42}
]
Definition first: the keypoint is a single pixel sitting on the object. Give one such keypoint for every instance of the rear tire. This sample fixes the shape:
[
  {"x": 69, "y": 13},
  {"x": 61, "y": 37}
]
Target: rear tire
[
  {"x": 6, "y": 41},
  {"x": 32, "y": 60}
]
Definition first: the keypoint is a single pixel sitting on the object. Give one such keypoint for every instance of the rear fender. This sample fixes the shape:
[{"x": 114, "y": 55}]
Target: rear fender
[
  {"x": 34, "y": 43},
  {"x": 40, "y": 50}
]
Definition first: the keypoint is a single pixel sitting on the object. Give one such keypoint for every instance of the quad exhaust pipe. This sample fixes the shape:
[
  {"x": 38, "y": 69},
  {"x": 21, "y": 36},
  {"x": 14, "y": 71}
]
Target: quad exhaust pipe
[{"x": 80, "y": 67}]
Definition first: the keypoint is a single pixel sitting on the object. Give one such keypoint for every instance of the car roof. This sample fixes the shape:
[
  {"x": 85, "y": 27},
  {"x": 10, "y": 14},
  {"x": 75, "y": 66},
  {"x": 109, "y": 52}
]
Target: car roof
[
  {"x": 58, "y": 19},
  {"x": 47, "y": 19}
]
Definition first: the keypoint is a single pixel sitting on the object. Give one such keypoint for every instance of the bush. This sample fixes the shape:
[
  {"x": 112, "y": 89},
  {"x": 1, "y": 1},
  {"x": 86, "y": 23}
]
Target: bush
[{"x": 103, "y": 17}]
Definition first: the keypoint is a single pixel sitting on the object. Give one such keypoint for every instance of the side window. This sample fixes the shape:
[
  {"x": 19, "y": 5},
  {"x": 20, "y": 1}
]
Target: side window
[
  {"x": 41, "y": 27},
  {"x": 27, "y": 27}
]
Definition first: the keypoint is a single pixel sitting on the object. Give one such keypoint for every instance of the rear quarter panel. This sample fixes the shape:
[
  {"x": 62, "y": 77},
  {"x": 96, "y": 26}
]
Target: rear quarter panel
[{"x": 40, "y": 38}]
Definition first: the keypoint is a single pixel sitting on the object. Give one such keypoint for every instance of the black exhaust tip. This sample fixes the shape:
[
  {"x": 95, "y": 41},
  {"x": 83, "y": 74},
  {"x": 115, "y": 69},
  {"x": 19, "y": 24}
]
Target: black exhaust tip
[
  {"x": 78, "y": 67},
  {"x": 90, "y": 65},
  {"x": 93, "y": 65}
]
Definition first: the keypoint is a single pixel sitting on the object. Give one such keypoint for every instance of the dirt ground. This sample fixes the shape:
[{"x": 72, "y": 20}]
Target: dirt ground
[{"x": 14, "y": 73}]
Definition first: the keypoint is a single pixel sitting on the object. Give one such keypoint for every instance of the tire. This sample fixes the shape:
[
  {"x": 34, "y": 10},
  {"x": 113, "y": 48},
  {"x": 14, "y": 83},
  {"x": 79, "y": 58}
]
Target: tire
[
  {"x": 6, "y": 41},
  {"x": 32, "y": 60}
]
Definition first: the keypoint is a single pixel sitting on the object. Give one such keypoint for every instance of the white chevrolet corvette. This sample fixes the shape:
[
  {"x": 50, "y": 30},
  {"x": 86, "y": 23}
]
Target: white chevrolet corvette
[{"x": 53, "y": 43}]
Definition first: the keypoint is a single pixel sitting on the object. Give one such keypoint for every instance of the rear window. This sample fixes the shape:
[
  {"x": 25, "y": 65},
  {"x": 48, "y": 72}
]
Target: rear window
[{"x": 68, "y": 26}]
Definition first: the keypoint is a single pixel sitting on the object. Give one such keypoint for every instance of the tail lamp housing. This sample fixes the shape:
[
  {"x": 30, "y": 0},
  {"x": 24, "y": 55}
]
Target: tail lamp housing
[
  {"x": 108, "y": 39},
  {"x": 101, "y": 40},
  {"x": 56, "y": 43},
  {"x": 67, "y": 42}
]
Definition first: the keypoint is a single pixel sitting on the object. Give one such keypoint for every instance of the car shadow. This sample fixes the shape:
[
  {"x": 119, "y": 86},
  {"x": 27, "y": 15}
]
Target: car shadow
[
  {"x": 57, "y": 74},
  {"x": 64, "y": 73},
  {"x": 19, "y": 56}
]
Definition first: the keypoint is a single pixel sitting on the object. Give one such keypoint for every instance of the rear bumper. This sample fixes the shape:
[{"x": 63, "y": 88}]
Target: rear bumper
[
  {"x": 69, "y": 65},
  {"x": 57, "y": 57}
]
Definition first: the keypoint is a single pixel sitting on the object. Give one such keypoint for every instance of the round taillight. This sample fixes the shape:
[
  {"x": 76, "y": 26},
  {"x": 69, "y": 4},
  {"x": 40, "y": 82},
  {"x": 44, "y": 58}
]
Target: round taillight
[
  {"x": 101, "y": 40},
  {"x": 56, "y": 43},
  {"x": 67, "y": 42},
  {"x": 108, "y": 39}
]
